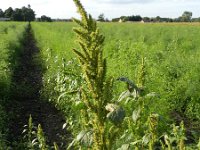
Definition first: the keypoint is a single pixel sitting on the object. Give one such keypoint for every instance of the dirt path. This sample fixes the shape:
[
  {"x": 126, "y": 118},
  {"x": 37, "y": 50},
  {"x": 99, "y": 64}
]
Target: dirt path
[{"x": 27, "y": 82}]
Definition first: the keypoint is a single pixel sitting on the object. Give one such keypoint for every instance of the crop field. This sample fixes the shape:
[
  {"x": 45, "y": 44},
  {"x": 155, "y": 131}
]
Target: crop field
[
  {"x": 149, "y": 86},
  {"x": 168, "y": 53}
]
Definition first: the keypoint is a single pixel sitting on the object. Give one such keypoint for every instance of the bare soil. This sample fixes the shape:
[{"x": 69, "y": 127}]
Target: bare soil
[
  {"x": 25, "y": 99},
  {"x": 191, "y": 126}
]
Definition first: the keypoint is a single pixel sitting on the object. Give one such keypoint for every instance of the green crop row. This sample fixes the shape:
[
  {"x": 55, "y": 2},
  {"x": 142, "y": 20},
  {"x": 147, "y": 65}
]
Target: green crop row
[
  {"x": 161, "y": 58},
  {"x": 55, "y": 42},
  {"x": 11, "y": 36},
  {"x": 171, "y": 54}
]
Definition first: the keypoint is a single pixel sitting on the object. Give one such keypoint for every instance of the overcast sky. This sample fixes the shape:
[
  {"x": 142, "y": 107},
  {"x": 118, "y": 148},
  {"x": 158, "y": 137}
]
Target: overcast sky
[{"x": 110, "y": 8}]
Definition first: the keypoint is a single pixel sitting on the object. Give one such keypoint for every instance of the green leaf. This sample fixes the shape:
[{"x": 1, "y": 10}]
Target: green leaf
[
  {"x": 152, "y": 94},
  {"x": 79, "y": 22},
  {"x": 136, "y": 142},
  {"x": 116, "y": 113},
  {"x": 198, "y": 145},
  {"x": 55, "y": 146},
  {"x": 85, "y": 137},
  {"x": 124, "y": 95},
  {"x": 146, "y": 138},
  {"x": 81, "y": 10},
  {"x": 71, "y": 144},
  {"x": 81, "y": 135},
  {"x": 79, "y": 105},
  {"x": 136, "y": 114},
  {"x": 124, "y": 147},
  {"x": 64, "y": 125},
  {"x": 130, "y": 84}
]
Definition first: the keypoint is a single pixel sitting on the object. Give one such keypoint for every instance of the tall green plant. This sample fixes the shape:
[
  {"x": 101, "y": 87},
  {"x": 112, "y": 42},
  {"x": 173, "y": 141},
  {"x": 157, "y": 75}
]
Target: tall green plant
[{"x": 96, "y": 93}]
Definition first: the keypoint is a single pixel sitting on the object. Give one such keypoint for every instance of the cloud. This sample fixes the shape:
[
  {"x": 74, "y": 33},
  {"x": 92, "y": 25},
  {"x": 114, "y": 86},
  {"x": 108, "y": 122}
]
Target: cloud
[
  {"x": 124, "y": 1},
  {"x": 111, "y": 8},
  {"x": 143, "y": 1}
]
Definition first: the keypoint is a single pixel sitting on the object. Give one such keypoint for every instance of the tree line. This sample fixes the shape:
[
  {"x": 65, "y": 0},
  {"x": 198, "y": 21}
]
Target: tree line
[
  {"x": 18, "y": 14},
  {"x": 28, "y": 14},
  {"x": 185, "y": 17},
  {"x": 22, "y": 14}
]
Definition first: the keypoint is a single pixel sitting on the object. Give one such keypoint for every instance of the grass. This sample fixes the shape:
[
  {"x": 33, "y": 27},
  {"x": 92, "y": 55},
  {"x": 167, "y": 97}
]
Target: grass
[{"x": 11, "y": 35}]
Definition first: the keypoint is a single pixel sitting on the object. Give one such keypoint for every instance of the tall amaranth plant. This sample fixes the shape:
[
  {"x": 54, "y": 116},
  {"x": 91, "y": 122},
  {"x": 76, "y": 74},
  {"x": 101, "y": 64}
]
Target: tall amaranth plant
[{"x": 96, "y": 93}]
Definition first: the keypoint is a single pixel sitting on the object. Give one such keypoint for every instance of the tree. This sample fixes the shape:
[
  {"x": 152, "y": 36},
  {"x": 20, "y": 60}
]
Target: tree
[
  {"x": 45, "y": 19},
  {"x": 28, "y": 14},
  {"x": 138, "y": 18},
  {"x": 123, "y": 18},
  {"x": 101, "y": 18},
  {"x": 17, "y": 15},
  {"x": 115, "y": 19},
  {"x": 1, "y": 13},
  {"x": 186, "y": 16},
  {"x": 131, "y": 18},
  {"x": 8, "y": 12},
  {"x": 146, "y": 19},
  {"x": 195, "y": 19},
  {"x": 158, "y": 19},
  {"x": 23, "y": 14}
]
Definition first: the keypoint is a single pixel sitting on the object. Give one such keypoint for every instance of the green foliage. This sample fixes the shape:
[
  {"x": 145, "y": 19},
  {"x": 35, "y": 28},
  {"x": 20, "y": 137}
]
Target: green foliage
[
  {"x": 186, "y": 16},
  {"x": 1, "y": 13},
  {"x": 45, "y": 19},
  {"x": 34, "y": 138},
  {"x": 29, "y": 135},
  {"x": 101, "y": 18},
  {"x": 41, "y": 138},
  {"x": 20, "y": 14},
  {"x": 94, "y": 70},
  {"x": 8, "y": 12},
  {"x": 167, "y": 79}
]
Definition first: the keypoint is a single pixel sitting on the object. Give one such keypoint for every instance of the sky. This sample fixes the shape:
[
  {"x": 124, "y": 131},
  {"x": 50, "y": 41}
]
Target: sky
[{"x": 65, "y": 9}]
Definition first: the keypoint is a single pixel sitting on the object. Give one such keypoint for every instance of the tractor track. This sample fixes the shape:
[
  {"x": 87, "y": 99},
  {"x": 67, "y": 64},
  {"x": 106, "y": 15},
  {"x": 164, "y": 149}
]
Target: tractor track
[{"x": 25, "y": 98}]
